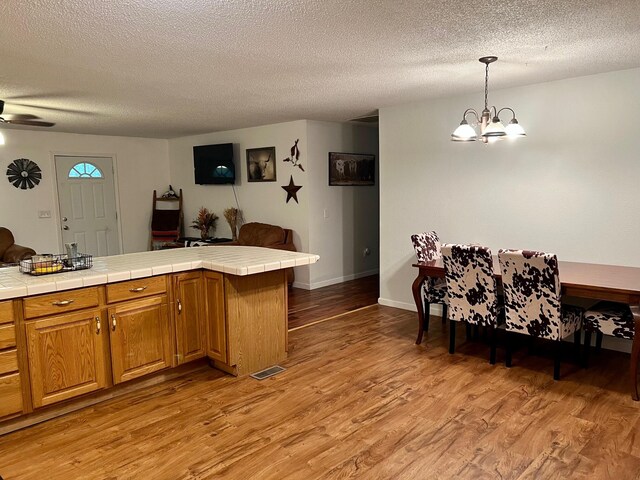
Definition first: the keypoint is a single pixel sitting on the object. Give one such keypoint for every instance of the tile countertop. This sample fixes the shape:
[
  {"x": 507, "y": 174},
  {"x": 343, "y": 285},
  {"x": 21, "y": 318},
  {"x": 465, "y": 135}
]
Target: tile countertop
[{"x": 235, "y": 260}]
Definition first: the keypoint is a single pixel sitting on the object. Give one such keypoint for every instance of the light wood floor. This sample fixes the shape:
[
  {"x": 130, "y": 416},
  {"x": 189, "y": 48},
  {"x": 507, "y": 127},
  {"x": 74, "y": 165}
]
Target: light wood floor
[
  {"x": 309, "y": 306},
  {"x": 358, "y": 400}
]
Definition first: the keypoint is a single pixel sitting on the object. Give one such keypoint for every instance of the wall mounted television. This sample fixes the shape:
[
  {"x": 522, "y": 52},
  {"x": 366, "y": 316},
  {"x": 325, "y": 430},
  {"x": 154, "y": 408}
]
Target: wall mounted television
[{"x": 213, "y": 164}]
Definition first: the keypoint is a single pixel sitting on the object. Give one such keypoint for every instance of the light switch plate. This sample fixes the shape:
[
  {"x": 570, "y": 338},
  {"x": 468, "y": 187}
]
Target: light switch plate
[{"x": 44, "y": 213}]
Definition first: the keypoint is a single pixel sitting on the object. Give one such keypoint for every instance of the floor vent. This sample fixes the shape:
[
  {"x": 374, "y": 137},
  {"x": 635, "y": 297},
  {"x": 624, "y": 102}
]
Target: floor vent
[{"x": 269, "y": 372}]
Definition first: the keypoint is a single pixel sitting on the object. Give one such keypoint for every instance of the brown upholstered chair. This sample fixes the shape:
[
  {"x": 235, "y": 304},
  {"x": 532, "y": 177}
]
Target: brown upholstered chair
[
  {"x": 256, "y": 234},
  {"x": 10, "y": 252}
]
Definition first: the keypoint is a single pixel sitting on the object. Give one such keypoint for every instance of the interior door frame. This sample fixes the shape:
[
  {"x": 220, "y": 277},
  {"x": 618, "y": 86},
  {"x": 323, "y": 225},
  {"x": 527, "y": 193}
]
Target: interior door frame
[{"x": 116, "y": 190}]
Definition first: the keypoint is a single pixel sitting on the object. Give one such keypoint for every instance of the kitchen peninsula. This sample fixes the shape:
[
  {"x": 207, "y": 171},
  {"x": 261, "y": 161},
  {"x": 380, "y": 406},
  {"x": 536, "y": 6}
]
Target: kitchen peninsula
[{"x": 68, "y": 338}]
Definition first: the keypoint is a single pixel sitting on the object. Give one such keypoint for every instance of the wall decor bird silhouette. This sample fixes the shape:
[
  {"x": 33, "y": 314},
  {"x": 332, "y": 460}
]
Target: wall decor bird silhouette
[{"x": 295, "y": 156}]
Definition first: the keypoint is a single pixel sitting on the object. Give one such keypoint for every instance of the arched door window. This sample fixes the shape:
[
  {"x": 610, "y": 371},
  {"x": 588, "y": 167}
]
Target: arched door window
[{"x": 85, "y": 170}]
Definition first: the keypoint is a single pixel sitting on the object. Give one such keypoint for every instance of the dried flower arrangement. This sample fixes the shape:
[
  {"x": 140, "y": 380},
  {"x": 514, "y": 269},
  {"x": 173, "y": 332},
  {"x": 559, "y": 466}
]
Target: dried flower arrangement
[
  {"x": 233, "y": 217},
  {"x": 204, "y": 222}
]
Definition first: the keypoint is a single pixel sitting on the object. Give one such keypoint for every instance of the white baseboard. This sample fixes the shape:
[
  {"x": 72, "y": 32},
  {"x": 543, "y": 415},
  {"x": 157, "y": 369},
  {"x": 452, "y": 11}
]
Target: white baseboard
[
  {"x": 435, "y": 309},
  {"x": 613, "y": 343},
  {"x": 395, "y": 304},
  {"x": 334, "y": 281}
]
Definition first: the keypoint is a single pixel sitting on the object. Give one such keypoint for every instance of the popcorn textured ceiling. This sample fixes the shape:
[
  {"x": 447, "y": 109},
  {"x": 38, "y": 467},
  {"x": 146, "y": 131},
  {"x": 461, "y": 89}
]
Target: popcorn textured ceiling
[{"x": 168, "y": 68}]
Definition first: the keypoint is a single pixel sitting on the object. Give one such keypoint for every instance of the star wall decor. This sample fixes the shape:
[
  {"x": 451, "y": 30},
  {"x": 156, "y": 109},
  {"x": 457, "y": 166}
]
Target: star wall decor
[
  {"x": 23, "y": 173},
  {"x": 292, "y": 190}
]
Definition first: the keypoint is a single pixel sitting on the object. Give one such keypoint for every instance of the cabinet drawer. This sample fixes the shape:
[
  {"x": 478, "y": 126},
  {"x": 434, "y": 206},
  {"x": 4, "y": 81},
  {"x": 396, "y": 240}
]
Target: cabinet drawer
[
  {"x": 8, "y": 361},
  {"x": 132, "y": 289},
  {"x": 10, "y": 394},
  {"x": 60, "y": 302},
  {"x": 6, "y": 312},
  {"x": 7, "y": 336}
]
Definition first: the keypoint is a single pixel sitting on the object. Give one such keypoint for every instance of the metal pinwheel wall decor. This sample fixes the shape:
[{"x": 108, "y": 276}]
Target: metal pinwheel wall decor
[{"x": 23, "y": 173}]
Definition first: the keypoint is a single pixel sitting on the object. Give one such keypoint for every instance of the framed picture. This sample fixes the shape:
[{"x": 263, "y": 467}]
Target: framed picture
[
  {"x": 352, "y": 169},
  {"x": 261, "y": 164}
]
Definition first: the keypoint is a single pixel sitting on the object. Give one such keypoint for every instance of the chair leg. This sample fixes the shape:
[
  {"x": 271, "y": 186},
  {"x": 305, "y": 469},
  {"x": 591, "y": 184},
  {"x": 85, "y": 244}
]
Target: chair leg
[
  {"x": 635, "y": 356},
  {"x": 486, "y": 332},
  {"x": 507, "y": 344},
  {"x": 468, "y": 328},
  {"x": 445, "y": 308},
  {"x": 420, "y": 332},
  {"x": 599, "y": 336},
  {"x": 492, "y": 355},
  {"x": 424, "y": 322},
  {"x": 427, "y": 315},
  {"x": 556, "y": 360},
  {"x": 476, "y": 332},
  {"x": 587, "y": 348},
  {"x": 452, "y": 336},
  {"x": 577, "y": 338}
]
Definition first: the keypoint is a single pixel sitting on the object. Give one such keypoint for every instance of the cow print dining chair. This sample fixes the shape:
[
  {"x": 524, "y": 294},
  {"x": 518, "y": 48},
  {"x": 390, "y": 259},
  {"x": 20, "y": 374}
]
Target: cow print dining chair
[
  {"x": 472, "y": 291},
  {"x": 606, "y": 318},
  {"x": 533, "y": 303},
  {"x": 434, "y": 290}
]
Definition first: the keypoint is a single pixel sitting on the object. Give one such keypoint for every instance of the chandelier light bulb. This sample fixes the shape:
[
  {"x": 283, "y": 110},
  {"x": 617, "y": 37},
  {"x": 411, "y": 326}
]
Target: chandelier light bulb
[
  {"x": 515, "y": 130},
  {"x": 1, "y": 139},
  {"x": 464, "y": 133},
  {"x": 494, "y": 129}
]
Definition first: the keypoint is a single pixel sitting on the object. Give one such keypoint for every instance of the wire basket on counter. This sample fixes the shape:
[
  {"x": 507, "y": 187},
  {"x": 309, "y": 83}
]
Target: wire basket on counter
[{"x": 47, "y": 264}]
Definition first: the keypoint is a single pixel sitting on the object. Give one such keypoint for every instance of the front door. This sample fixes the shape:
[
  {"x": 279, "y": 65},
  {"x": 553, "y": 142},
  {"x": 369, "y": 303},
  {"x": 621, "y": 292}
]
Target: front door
[{"x": 87, "y": 200}]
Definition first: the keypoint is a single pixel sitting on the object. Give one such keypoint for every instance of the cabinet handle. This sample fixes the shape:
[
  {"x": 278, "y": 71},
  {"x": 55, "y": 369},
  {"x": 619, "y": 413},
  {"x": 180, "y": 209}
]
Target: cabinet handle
[
  {"x": 97, "y": 325},
  {"x": 138, "y": 289},
  {"x": 62, "y": 303},
  {"x": 179, "y": 306},
  {"x": 113, "y": 322}
]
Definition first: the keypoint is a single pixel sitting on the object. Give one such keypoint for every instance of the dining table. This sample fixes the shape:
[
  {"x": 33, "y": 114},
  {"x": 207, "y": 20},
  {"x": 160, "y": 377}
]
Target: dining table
[{"x": 614, "y": 283}]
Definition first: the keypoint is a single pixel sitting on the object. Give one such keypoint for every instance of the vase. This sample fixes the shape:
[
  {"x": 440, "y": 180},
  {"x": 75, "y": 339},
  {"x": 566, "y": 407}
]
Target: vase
[{"x": 204, "y": 234}]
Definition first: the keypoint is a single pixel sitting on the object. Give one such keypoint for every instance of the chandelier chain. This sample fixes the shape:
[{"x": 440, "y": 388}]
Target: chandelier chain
[{"x": 486, "y": 85}]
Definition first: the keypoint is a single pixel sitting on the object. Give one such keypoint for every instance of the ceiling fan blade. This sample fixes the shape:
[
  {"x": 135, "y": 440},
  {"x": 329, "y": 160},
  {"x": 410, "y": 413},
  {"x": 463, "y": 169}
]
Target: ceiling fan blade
[
  {"x": 20, "y": 116},
  {"x": 32, "y": 123},
  {"x": 52, "y": 109}
]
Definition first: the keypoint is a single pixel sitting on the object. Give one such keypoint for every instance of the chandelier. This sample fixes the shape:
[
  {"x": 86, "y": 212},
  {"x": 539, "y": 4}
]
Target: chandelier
[{"x": 491, "y": 128}]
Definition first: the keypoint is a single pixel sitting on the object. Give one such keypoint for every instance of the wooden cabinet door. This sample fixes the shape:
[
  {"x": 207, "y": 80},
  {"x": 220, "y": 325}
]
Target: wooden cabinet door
[
  {"x": 189, "y": 316},
  {"x": 140, "y": 341},
  {"x": 215, "y": 318},
  {"x": 66, "y": 356}
]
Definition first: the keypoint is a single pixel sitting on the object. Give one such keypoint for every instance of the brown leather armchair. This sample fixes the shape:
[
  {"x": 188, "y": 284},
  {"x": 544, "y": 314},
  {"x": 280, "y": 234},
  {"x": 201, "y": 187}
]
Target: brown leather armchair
[
  {"x": 9, "y": 251},
  {"x": 256, "y": 234}
]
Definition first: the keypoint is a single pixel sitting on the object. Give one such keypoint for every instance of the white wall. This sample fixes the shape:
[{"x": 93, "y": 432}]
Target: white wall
[
  {"x": 570, "y": 187},
  {"x": 259, "y": 201},
  {"x": 142, "y": 165},
  {"x": 352, "y": 212}
]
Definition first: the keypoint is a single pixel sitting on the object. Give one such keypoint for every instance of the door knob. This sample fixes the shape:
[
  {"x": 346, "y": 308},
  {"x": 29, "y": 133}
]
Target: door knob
[
  {"x": 66, "y": 227},
  {"x": 64, "y": 219}
]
